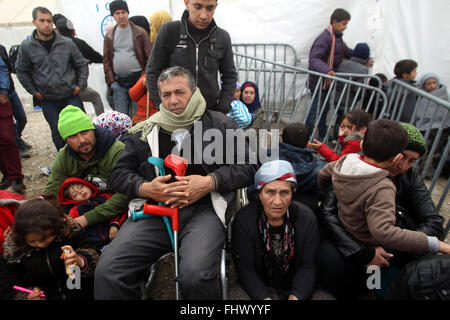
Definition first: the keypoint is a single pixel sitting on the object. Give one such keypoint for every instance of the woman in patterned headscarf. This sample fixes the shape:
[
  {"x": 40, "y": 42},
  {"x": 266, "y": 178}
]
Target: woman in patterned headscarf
[{"x": 275, "y": 239}]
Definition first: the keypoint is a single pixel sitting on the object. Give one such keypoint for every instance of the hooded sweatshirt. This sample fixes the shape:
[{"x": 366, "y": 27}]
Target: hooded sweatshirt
[
  {"x": 366, "y": 205},
  {"x": 98, "y": 233},
  {"x": 428, "y": 113}
]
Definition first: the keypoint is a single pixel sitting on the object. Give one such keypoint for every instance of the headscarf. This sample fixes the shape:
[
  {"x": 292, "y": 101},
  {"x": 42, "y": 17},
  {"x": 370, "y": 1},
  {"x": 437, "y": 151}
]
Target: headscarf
[
  {"x": 276, "y": 170},
  {"x": 114, "y": 121},
  {"x": 156, "y": 21},
  {"x": 252, "y": 107}
]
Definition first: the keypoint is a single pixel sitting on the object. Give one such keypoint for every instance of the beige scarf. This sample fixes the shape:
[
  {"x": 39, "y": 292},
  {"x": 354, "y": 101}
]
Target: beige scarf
[{"x": 170, "y": 121}]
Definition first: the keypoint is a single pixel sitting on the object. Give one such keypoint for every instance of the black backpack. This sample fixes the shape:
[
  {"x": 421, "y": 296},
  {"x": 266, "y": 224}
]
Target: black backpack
[{"x": 13, "y": 52}]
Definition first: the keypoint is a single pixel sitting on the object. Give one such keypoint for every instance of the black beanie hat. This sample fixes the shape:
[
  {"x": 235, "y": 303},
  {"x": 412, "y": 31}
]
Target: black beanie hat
[{"x": 118, "y": 5}]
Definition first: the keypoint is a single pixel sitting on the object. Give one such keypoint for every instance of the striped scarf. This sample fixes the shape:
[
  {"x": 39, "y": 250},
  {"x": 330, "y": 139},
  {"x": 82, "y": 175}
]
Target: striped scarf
[{"x": 332, "y": 53}]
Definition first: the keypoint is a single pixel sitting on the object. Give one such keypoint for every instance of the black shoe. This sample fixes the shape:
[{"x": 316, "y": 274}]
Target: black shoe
[
  {"x": 18, "y": 186},
  {"x": 5, "y": 183},
  {"x": 24, "y": 154},
  {"x": 26, "y": 145}
]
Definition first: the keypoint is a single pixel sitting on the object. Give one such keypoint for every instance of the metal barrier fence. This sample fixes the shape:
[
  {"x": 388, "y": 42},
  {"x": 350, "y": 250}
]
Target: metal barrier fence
[
  {"x": 277, "y": 52},
  {"x": 284, "y": 94}
]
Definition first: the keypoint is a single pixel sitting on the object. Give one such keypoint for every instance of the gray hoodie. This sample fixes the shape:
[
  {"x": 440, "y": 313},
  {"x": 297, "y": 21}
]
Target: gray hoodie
[{"x": 428, "y": 112}]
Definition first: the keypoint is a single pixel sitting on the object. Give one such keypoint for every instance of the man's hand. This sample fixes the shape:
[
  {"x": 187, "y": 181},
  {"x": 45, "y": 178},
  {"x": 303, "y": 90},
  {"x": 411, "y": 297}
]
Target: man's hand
[
  {"x": 197, "y": 187},
  {"x": 76, "y": 91},
  {"x": 381, "y": 258},
  {"x": 331, "y": 73},
  {"x": 4, "y": 98},
  {"x": 156, "y": 189},
  {"x": 314, "y": 145},
  {"x": 38, "y": 96}
]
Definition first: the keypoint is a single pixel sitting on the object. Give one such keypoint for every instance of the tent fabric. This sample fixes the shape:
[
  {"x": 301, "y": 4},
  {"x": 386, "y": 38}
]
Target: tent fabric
[{"x": 394, "y": 29}]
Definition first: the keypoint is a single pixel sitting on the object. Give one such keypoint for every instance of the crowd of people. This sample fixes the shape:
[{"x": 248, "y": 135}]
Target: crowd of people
[{"x": 317, "y": 219}]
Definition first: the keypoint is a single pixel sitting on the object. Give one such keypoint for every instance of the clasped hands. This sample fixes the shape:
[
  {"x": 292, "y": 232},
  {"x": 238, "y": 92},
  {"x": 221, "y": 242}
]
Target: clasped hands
[{"x": 179, "y": 194}]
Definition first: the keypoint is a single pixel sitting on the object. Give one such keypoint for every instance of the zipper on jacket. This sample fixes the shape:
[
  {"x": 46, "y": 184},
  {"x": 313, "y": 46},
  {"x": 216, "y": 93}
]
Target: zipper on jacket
[
  {"x": 53, "y": 274},
  {"x": 197, "y": 48}
]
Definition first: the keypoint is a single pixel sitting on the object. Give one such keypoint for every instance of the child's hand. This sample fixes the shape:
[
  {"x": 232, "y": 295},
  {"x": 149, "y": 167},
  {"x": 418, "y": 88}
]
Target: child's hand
[
  {"x": 444, "y": 247},
  {"x": 70, "y": 256},
  {"x": 36, "y": 295},
  {"x": 314, "y": 145},
  {"x": 113, "y": 230}
]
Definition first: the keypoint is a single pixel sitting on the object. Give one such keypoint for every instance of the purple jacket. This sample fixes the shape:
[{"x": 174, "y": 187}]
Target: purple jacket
[{"x": 318, "y": 56}]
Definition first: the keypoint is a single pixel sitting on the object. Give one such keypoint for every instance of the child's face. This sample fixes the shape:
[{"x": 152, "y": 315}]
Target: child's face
[
  {"x": 431, "y": 84},
  {"x": 346, "y": 128},
  {"x": 412, "y": 75},
  {"x": 40, "y": 240},
  {"x": 79, "y": 192},
  {"x": 237, "y": 94}
]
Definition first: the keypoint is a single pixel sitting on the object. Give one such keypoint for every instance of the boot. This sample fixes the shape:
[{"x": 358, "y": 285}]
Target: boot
[
  {"x": 18, "y": 186},
  {"x": 5, "y": 183}
]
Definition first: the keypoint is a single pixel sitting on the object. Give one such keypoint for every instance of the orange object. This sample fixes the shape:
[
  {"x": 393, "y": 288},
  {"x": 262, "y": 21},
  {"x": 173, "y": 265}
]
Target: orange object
[{"x": 139, "y": 93}]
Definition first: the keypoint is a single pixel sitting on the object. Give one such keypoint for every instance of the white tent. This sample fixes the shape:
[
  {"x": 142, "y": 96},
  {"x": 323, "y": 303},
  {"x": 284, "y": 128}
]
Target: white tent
[{"x": 394, "y": 29}]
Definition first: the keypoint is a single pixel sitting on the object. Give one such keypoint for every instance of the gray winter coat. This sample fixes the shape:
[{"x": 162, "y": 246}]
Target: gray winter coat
[
  {"x": 54, "y": 74},
  {"x": 428, "y": 112}
]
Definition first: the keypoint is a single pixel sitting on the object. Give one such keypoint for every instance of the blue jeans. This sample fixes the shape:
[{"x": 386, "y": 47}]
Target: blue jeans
[
  {"x": 122, "y": 100},
  {"x": 311, "y": 117},
  {"x": 51, "y": 110},
  {"x": 19, "y": 115}
]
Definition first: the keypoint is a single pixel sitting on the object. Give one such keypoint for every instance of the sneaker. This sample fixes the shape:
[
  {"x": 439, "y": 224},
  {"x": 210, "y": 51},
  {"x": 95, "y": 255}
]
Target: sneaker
[
  {"x": 5, "y": 183},
  {"x": 37, "y": 108},
  {"x": 24, "y": 154},
  {"x": 45, "y": 170},
  {"x": 18, "y": 186}
]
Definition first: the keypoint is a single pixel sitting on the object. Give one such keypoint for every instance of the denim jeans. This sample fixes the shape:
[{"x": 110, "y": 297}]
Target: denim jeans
[
  {"x": 122, "y": 100},
  {"x": 311, "y": 117},
  {"x": 19, "y": 115},
  {"x": 51, "y": 110}
]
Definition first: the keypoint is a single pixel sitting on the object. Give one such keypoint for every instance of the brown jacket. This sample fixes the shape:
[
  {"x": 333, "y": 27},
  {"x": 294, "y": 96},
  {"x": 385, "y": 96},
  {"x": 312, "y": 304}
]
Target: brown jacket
[
  {"x": 142, "y": 48},
  {"x": 366, "y": 206}
]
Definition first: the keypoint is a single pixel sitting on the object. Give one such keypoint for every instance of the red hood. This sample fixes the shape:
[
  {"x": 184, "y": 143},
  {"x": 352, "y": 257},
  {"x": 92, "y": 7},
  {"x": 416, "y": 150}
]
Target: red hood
[{"x": 68, "y": 181}]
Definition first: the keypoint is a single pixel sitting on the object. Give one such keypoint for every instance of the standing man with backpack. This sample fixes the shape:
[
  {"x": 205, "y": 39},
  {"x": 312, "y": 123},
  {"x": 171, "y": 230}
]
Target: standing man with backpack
[{"x": 199, "y": 45}]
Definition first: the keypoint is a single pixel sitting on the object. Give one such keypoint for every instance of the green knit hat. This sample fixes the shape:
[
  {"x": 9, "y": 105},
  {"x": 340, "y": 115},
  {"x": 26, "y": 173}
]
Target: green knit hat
[
  {"x": 416, "y": 140},
  {"x": 73, "y": 120}
]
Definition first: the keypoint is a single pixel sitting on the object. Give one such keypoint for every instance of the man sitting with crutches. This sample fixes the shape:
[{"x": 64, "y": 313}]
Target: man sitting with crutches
[{"x": 205, "y": 196}]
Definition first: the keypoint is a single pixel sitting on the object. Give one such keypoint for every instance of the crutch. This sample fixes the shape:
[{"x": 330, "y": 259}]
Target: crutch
[
  {"x": 136, "y": 215},
  {"x": 179, "y": 166}
]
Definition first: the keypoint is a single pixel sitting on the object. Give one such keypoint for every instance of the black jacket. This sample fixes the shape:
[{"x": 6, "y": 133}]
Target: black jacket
[
  {"x": 415, "y": 211},
  {"x": 43, "y": 268},
  {"x": 248, "y": 252},
  {"x": 174, "y": 46},
  {"x": 133, "y": 168},
  {"x": 87, "y": 51}
]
